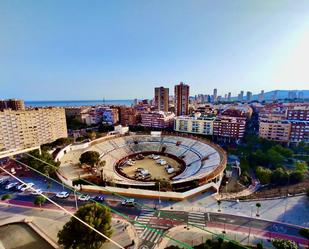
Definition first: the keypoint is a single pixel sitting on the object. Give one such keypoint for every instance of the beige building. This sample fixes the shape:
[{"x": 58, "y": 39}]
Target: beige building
[
  {"x": 29, "y": 128},
  {"x": 14, "y": 104},
  {"x": 196, "y": 124},
  {"x": 182, "y": 99},
  {"x": 276, "y": 130},
  {"x": 161, "y": 99}
]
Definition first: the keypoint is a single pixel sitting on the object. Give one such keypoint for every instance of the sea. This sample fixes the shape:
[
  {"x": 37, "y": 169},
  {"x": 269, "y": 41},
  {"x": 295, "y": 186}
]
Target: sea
[{"x": 60, "y": 103}]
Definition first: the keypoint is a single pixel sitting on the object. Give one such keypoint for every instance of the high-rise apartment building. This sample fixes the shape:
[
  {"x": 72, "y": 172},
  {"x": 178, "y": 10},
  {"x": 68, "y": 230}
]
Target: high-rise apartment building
[
  {"x": 14, "y": 104},
  {"x": 249, "y": 96},
  {"x": 241, "y": 96},
  {"x": 181, "y": 99},
  {"x": 161, "y": 98},
  {"x": 300, "y": 95},
  {"x": 229, "y": 96},
  {"x": 30, "y": 128},
  {"x": 261, "y": 96},
  {"x": 215, "y": 95}
]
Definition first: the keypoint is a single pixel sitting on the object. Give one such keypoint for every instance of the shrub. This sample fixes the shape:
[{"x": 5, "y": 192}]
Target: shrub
[
  {"x": 264, "y": 175},
  {"x": 284, "y": 244},
  {"x": 6, "y": 197}
]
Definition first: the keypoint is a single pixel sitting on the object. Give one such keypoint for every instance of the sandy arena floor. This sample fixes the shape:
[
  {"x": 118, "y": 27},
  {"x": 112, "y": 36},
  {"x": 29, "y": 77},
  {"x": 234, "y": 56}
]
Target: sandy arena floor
[{"x": 157, "y": 171}]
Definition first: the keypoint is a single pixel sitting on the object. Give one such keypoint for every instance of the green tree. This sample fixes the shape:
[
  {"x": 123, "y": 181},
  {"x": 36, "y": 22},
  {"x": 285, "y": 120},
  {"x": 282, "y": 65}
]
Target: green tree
[
  {"x": 259, "y": 246},
  {"x": 263, "y": 174},
  {"x": 284, "y": 244},
  {"x": 297, "y": 176},
  {"x": 75, "y": 124},
  {"x": 258, "y": 158},
  {"x": 39, "y": 200},
  {"x": 91, "y": 158},
  {"x": 64, "y": 141},
  {"x": 285, "y": 152},
  {"x": 76, "y": 235},
  {"x": 279, "y": 176},
  {"x": 307, "y": 192},
  {"x": 274, "y": 157},
  {"x": 40, "y": 165},
  {"x": 301, "y": 166}
]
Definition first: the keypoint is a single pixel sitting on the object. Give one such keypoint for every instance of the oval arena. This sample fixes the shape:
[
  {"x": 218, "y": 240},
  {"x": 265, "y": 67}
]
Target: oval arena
[{"x": 135, "y": 162}]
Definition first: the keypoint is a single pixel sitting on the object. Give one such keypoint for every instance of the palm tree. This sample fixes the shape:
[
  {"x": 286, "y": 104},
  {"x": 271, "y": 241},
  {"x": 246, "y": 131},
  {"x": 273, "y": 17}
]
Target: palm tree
[
  {"x": 219, "y": 205},
  {"x": 258, "y": 206}
]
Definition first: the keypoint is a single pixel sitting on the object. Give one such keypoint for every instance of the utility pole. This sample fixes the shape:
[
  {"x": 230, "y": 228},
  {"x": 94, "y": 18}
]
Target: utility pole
[
  {"x": 287, "y": 198},
  {"x": 159, "y": 194},
  {"x": 76, "y": 206},
  {"x": 250, "y": 224}
]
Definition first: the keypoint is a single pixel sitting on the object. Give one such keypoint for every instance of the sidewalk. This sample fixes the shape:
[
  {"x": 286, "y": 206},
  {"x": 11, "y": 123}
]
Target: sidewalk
[
  {"x": 293, "y": 210},
  {"x": 194, "y": 236}
]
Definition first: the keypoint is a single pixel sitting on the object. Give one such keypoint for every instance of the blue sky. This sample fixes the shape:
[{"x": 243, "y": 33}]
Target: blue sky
[{"x": 56, "y": 50}]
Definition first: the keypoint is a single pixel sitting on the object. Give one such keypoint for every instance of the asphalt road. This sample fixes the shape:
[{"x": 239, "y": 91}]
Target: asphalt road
[{"x": 169, "y": 218}]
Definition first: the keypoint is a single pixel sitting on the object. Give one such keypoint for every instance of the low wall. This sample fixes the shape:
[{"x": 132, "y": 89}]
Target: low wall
[
  {"x": 64, "y": 180},
  {"x": 142, "y": 193}
]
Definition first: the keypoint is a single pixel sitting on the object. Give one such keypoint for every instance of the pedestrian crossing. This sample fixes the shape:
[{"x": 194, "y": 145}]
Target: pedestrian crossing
[
  {"x": 197, "y": 219},
  {"x": 152, "y": 234},
  {"x": 142, "y": 220}
]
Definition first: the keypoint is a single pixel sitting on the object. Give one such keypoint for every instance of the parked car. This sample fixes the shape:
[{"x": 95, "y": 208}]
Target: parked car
[
  {"x": 62, "y": 194},
  {"x": 37, "y": 192},
  {"x": 4, "y": 182},
  {"x": 99, "y": 198},
  {"x": 84, "y": 197},
  {"x": 11, "y": 185},
  {"x": 18, "y": 187},
  {"x": 4, "y": 179},
  {"x": 128, "y": 203},
  {"x": 170, "y": 170},
  {"x": 27, "y": 186}
]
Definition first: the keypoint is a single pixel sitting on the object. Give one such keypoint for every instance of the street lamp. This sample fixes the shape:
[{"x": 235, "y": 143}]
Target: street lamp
[
  {"x": 159, "y": 193},
  {"x": 287, "y": 198},
  {"x": 226, "y": 183},
  {"x": 76, "y": 206},
  {"x": 250, "y": 224}
]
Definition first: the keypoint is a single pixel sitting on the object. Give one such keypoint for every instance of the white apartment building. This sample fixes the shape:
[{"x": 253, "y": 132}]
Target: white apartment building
[{"x": 196, "y": 124}]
